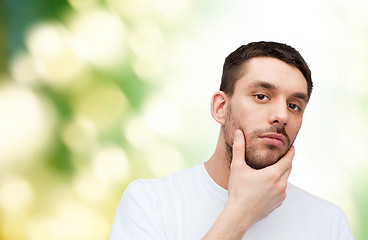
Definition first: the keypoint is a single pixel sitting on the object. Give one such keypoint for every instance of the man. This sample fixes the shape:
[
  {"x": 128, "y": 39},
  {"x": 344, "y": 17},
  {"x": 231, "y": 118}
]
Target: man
[{"x": 242, "y": 191}]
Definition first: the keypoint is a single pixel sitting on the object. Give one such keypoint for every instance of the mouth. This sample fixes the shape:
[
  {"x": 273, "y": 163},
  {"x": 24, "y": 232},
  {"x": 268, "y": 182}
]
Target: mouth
[{"x": 273, "y": 139}]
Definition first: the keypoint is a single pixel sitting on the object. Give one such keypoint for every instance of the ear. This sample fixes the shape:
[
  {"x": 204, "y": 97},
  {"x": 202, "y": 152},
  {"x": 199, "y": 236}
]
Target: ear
[{"x": 218, "y": 107}]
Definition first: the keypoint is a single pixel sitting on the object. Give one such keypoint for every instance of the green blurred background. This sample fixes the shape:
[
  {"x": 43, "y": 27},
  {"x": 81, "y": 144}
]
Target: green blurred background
[{"x": 97, "y": 93}]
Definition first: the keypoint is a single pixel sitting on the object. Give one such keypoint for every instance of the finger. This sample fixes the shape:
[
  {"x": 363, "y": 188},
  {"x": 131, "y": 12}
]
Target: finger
[
  {"x": 286, "y": 175},
  {"x": 285, "y": 163},
  {"x": 238, "y": 147}
]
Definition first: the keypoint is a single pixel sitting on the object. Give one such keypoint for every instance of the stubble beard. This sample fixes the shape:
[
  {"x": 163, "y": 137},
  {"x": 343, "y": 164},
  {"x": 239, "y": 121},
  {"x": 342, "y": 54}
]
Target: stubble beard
[{"x": 253, "y": 157}]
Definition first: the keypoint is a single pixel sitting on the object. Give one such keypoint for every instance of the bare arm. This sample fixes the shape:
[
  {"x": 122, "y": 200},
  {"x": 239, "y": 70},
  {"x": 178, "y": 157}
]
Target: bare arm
[{"x": 253, "y": 194}]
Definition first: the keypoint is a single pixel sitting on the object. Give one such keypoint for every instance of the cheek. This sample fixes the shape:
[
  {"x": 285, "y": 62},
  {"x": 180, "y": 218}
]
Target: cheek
[
  {"x": 241, "y": 115},
  {"x": 251, "y": 124},
  {"x": 247, "y": 127},
  {"x": 295, "y": 130}
]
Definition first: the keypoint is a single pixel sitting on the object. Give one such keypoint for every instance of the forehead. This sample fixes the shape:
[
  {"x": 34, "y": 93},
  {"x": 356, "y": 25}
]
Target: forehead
[{"x": 284, "y": 76}]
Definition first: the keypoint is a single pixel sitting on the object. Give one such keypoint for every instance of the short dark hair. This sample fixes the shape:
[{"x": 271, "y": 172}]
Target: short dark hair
[{"x": 233, "y": 63}]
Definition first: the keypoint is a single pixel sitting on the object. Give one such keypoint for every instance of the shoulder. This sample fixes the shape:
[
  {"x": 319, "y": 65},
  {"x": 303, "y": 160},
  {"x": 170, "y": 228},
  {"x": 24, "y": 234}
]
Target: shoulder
[
  {"x": 316, "y": 214},
  {"x": 173, "y": 182},
  {"x": 310, "y": 201},
  {"x": 148, "y": 207},
  {"x": 324, "y": 213}
]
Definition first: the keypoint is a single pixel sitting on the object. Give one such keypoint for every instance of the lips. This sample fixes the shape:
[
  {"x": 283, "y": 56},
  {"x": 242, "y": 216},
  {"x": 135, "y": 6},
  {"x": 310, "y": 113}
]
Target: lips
[{"x": 273, "y": 139}]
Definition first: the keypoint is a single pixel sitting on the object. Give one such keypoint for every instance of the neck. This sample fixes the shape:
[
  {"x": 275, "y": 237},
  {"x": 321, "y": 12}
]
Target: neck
[{"x": 218, "y": 166}]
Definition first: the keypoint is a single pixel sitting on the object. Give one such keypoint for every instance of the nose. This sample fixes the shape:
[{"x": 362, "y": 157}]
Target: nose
[{"x": 279, "y": 114}]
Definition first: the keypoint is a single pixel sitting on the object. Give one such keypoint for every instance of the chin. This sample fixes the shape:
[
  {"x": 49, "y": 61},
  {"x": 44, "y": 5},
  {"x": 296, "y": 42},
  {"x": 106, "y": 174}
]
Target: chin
[
  {"x": 259, "y": 161},
  {"x": 259, "y": 165}
]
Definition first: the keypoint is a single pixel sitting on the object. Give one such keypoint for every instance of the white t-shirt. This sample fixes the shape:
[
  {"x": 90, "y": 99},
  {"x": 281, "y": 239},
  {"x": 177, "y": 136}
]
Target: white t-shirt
[{"x": 185, "y": 204}]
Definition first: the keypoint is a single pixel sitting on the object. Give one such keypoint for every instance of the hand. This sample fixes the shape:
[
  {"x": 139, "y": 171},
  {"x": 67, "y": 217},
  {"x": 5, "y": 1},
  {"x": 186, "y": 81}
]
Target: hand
[
  {"x": 256, "y": 193},
  {"x": 253, "y": 194}
]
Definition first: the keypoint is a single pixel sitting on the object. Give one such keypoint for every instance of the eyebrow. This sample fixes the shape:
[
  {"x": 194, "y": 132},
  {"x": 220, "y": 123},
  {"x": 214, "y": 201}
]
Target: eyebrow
[
  {"x": 300, "y": 95},
  {"x": 262, "y": 84},
  {"x": 268, "y": 85}
]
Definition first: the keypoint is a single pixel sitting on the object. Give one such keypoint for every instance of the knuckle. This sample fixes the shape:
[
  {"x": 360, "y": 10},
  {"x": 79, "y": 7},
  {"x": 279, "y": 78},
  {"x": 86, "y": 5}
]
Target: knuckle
[
  {"x": 237, "y": 146},
  {"x": 235, "y": 165},
  {"x": 283, "y": 196},
  {"x": 283, "y": 186},
  {"x": 274, "y": 174}
]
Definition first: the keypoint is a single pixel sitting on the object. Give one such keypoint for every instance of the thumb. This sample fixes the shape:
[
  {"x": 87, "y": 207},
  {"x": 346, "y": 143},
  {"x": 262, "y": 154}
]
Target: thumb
[{"x": 238, "y": 148}]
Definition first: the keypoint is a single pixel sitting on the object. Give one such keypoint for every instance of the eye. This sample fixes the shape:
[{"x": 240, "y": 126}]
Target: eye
[
  {"x": 294, "y": 107},
  {"x": 261, "y": 97}
]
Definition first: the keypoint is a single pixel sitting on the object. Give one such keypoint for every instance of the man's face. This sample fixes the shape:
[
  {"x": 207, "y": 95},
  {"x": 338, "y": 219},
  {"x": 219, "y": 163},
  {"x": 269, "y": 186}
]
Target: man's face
[{"x": 267, "y": 105}]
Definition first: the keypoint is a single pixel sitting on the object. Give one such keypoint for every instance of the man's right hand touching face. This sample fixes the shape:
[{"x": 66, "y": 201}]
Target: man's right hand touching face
[{"x": 253, "y": 194}]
